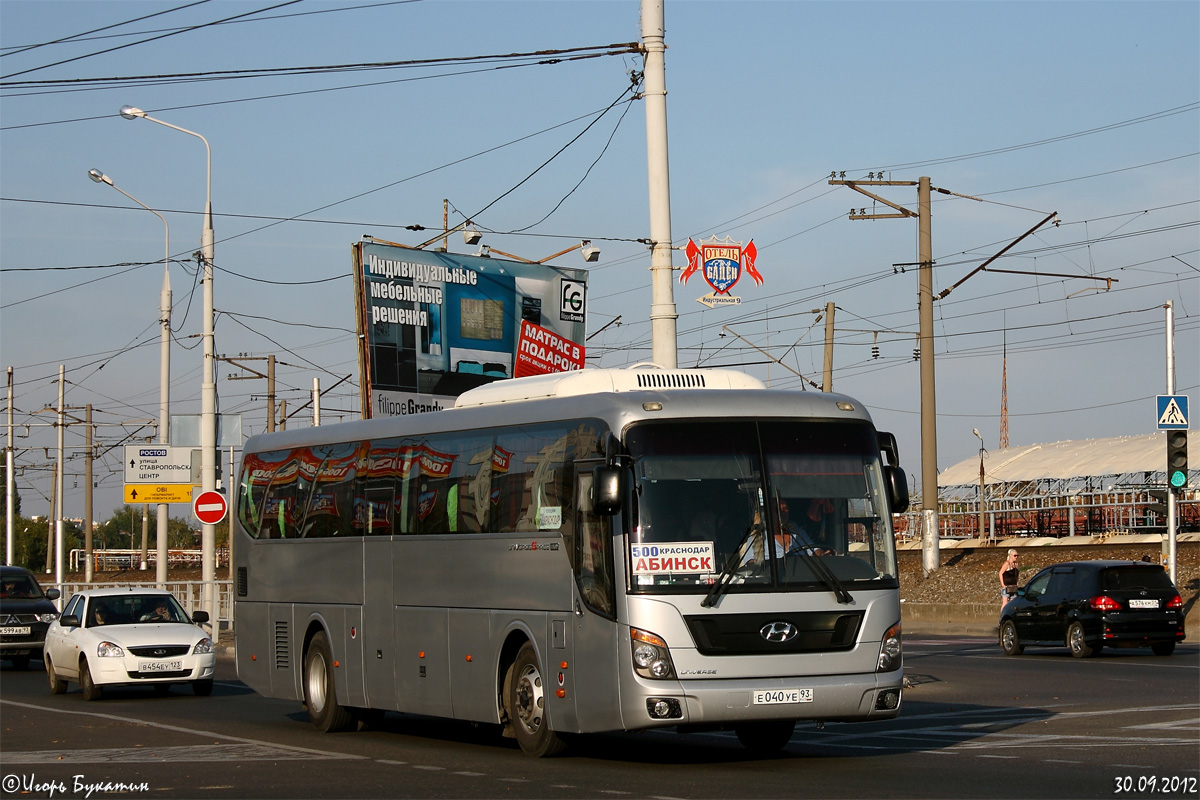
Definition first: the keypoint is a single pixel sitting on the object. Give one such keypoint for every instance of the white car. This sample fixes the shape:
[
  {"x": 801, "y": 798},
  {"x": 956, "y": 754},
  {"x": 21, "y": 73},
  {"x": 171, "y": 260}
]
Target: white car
[{"x": 128, "y": 637}]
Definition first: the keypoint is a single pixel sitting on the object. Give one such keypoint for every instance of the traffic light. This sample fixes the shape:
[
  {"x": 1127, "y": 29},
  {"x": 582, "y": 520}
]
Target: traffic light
[{"x": 1177, "y": 466}]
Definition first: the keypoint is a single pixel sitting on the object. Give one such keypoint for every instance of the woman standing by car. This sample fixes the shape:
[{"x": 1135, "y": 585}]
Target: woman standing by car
[{"x": 1009, "y": 574}]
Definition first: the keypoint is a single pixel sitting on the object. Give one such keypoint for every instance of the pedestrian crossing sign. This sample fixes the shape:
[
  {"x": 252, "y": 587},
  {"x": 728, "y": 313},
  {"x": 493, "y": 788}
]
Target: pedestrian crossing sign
[{"x": 1172, "y": 412}]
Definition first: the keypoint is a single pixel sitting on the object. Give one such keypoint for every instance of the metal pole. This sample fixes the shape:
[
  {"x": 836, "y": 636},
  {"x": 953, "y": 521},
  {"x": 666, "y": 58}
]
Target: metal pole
[
  {"x": 208, "y": 386},
  {"x": 50, "y": 519},
  {"x": 982, "y": 496},
  {"x": 316, "y": 395},
  {"x": 9, "y": 494},
  {"x": 271, "y": 393},
  {"x": 164, "y": 367},
  {"x": 88, "y": 570},
  {"x": 58, "y": 480},
  {"x": 930, "y": 555},
  {"x": 1172, "y": 502},
  {"x": 827, "y": 377},
  {"x": 662, "y": 302},
  {"x": 164, "y": 408},
  {"x": 144, "y": 553}
]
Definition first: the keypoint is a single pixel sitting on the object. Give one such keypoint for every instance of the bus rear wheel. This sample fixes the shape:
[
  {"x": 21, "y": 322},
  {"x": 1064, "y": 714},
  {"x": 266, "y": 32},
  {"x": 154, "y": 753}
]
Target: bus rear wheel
[
  {"x": 320, "y": 693},
  {"x": 765, "y": 737},
  {"x": 526, "y": 703}
]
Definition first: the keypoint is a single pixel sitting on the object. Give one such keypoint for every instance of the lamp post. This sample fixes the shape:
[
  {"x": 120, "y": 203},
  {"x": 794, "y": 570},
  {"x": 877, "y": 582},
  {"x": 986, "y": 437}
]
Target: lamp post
[
  {"x": 164, "y": 377},
  {"x": 981, "y": 484},
  {"x": 208, "y": 387}
]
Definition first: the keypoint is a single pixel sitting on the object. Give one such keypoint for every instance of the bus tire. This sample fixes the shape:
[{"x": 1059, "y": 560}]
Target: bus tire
[
  {"x": 320, "y": 693},
  {"x": 765, "y": 737},
  {"x": 526, "y": 703}
]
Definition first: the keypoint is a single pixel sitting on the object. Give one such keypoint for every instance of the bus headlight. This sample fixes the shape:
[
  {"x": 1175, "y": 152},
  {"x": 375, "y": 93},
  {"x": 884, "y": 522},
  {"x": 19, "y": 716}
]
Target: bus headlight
[
  {"x": 651, "y": 658},
  {"x": 891, "y": 651}
]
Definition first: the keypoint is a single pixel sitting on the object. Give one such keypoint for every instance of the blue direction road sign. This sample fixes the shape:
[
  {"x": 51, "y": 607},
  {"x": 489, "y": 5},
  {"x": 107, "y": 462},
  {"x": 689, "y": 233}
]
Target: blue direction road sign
[{"x": 1172, "y": 412}]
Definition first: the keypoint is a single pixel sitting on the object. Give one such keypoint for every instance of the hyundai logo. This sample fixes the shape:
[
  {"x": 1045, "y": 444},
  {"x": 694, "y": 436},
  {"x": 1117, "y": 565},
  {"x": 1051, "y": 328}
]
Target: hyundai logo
[{"x": 778, "y": 631}]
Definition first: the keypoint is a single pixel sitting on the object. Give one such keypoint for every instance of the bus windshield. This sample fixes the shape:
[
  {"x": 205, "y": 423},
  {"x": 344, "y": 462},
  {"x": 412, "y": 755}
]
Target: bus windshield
[{"x": 777, "y": 505}]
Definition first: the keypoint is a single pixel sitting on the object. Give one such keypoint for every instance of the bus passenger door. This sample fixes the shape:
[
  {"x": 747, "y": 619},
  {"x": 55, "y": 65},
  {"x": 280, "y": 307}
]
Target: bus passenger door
[
  {"x": 594, "y": 668},
  {"x": 378, "y": 646}
]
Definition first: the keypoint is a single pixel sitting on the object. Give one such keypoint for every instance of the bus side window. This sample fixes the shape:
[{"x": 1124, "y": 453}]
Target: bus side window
[{"x": 593, "y": 551}]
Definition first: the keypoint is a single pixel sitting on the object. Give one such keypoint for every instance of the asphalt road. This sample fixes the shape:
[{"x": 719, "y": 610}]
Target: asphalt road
[{"x": 975, "y": 724}]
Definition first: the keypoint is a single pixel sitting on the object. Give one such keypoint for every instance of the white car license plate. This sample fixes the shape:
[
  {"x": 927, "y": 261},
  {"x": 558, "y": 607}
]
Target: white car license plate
[
  {"x": 1140, "y": 603},
  {"x": 771, "y": 697},
  {"x": 161, "y": 666},
  {"x": 14, "y": 630}
]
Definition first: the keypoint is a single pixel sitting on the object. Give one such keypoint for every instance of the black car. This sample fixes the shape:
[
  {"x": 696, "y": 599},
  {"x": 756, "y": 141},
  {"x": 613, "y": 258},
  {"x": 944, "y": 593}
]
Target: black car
[
  {"x": 25, "y": 614},
  {"x": 1089, "y": 605}
]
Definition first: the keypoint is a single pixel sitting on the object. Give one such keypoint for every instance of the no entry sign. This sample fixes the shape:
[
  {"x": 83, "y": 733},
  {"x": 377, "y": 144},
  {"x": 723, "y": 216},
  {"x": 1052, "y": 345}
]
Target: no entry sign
[{"x": 210, "y": 507}]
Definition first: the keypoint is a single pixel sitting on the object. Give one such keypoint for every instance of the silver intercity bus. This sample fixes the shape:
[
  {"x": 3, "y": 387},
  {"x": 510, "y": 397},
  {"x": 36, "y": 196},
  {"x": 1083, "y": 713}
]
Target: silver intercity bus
[{"x": 589, "y": 551}]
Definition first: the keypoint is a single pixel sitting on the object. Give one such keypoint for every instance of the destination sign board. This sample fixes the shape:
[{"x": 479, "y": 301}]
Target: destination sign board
[
  {"x": 158, "y": 493},
  {"x": 159, "y": 463}
]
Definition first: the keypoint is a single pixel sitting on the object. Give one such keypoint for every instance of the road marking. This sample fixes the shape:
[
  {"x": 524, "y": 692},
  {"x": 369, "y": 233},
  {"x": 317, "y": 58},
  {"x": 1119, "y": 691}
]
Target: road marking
[
  {"x": 143, "y": 755},
  {"x": 303, "y": 751},
  {"x": 428, "y": 767},
  {"x": 470, "y": 774},
  {"x": 389, "y": 761},
  {"x": 989, "y": 755}
]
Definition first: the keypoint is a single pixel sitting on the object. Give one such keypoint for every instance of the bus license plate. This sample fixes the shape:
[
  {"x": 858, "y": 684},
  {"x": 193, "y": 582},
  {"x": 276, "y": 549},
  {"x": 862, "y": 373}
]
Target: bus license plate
[
  {"x": 1140, "y": 603},
  {"x": 770, "y": 697},
  {"x": 161, "y": 666},
  {"x": 13, "y": 630}
]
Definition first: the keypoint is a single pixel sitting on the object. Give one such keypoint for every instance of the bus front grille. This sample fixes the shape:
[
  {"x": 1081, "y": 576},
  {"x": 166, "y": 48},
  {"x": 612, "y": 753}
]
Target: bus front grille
[{"x": 773, "y": 632}]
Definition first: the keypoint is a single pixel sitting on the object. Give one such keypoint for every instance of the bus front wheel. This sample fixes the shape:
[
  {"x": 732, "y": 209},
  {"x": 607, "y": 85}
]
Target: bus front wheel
[
  {"x": 320, "y": 694},
  {"x": 526, "y": 703}
]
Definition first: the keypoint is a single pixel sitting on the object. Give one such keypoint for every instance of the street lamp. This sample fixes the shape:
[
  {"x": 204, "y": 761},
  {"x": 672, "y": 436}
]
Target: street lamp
[
  {"x": 981, "y": 484},
  {"x": 208, "y": 386},
  {"x": 164, "y": 377}
]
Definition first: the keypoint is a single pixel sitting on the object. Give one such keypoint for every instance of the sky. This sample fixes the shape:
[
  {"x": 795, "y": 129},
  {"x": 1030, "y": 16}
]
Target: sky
[{"x": 1087, "y": 109}]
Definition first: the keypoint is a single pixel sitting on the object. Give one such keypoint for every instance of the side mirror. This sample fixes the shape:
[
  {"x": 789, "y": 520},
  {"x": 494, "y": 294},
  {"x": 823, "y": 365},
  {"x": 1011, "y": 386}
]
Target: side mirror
[
  {"x": 199, "y": 617},
  {"x": 53, "y": 594},
  {"x": 897, "y": 487},
  {"x": 69, "y": 621},
  {"x": 888, "y": 446},
  {"x": 608, "y": 489}
]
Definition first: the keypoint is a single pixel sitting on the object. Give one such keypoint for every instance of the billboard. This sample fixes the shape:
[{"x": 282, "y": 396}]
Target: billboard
[{"x": 432, "y": 324}]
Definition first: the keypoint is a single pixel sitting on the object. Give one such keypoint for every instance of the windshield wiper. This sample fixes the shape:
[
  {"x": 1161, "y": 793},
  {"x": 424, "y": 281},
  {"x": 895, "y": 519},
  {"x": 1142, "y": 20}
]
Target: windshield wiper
[
  {"x": 731, "y": 565},
  {"x": 825, "y": 575}
]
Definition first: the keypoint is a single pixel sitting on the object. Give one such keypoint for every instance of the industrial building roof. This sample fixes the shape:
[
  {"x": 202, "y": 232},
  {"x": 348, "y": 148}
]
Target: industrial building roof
[{"x": 1063, "y": 460}]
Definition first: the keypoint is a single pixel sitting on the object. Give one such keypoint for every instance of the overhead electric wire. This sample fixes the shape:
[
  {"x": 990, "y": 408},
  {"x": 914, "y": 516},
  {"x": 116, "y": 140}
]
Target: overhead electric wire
[
  {"x": 82, "y": 36},
  {"x": 85, "y": 37},
  {"x": 144, "y": 41},
  {"x": 539, "y": 56}
]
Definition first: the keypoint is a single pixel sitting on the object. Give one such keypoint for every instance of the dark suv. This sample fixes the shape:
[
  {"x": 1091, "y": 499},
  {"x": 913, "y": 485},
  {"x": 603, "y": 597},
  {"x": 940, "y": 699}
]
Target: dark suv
[
  {"x": 1089, "y": 605},
  {"x": 25, "y": 614}
]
